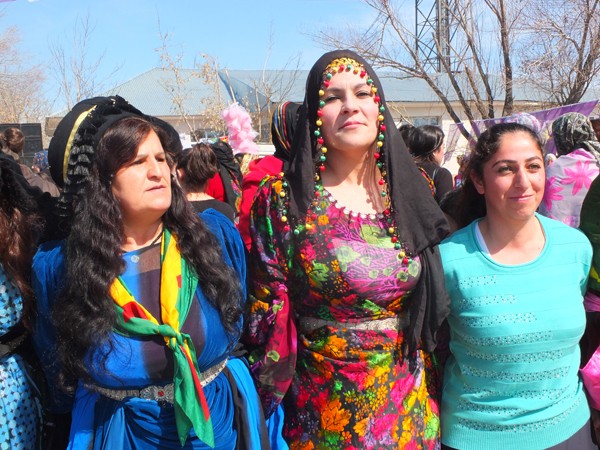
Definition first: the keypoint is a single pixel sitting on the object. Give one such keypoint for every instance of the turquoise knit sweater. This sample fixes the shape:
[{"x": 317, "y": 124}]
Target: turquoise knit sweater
[{"x": 512, "y": 379}]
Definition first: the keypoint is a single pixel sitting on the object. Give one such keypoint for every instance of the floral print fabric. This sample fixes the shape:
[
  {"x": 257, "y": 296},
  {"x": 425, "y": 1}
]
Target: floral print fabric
[
  {"x": 568, "y": 180},
  {"x": 317, "y": 294}
]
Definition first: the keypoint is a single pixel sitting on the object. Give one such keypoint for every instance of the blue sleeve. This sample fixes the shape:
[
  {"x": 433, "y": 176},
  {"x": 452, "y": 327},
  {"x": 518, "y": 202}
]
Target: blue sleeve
[
  {"x": 46, "y": 279},
  {"x": 233, "y": 249}
]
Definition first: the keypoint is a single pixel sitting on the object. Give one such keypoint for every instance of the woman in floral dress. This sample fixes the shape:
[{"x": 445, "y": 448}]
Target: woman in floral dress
[
  {"x": 348, "y": 290},
  {"x": 568, "y": 179}
]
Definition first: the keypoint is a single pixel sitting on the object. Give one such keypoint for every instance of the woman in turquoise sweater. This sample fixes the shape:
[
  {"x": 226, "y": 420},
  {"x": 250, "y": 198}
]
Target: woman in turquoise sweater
[{"x": 516, "y": 282}]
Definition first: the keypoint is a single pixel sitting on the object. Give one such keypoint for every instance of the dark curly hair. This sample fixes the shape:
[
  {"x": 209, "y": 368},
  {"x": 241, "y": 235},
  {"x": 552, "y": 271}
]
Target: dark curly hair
[
  {"x": 470, "y": 204},
  {"x": 85, "y": 314}
]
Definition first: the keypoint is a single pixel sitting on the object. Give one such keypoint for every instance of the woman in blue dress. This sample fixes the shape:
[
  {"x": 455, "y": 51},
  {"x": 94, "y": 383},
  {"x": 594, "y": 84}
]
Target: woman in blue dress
[{"x": 144, "y": 300}]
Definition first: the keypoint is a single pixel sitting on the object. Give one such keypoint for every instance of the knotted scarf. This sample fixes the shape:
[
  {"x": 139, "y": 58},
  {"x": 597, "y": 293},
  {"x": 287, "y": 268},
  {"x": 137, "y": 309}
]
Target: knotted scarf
[{"x": 178, "y": 282}]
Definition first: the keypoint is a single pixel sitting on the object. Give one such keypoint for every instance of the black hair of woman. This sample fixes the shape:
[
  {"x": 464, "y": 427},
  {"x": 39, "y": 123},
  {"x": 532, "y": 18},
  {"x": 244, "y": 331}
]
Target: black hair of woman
[
  {"x": 424, "y": 140},
  {"x": 471, "y": 205},
  {"x": 404, "y": 129},
  {"x": 84, "y": 315}
]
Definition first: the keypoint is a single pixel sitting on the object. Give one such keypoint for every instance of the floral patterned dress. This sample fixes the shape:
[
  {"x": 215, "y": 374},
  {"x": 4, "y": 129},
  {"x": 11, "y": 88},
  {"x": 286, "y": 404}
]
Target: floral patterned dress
[
  {"x": 325, "y": 330},
  {"x": 568, "y": 180}
]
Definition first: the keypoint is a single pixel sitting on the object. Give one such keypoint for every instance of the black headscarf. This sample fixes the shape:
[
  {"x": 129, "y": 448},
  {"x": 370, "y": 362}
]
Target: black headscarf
[
  {"x": 420, "y": 222},
  {"x": 283, "y": 128},
  {"x": 229, "y": 170}
]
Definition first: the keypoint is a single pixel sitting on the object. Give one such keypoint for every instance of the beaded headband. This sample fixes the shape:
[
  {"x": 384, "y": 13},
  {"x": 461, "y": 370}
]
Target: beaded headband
[{"x": 350, "y": 65}]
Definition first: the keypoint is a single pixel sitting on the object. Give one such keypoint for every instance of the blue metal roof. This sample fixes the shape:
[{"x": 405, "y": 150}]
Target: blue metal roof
[{"x": 153, "y": 91}]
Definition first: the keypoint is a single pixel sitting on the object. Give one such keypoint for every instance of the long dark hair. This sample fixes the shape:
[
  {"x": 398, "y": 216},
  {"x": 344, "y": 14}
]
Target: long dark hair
[
  {"x": 199, "y": 164},
  {"x": 17, "y": 226},
  {"x": 85, "y": 314},
  {"x": 471, "y": 204}
]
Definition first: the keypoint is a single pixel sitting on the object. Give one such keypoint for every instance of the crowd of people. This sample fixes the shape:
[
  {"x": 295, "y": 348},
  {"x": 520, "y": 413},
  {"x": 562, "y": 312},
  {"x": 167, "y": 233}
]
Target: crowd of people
[{"x": 346, "y": 292}]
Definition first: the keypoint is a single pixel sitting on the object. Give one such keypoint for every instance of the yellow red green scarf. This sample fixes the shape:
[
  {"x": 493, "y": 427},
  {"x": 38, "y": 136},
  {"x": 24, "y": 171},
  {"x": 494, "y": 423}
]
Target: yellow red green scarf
[{"x": 178, "y": 282}]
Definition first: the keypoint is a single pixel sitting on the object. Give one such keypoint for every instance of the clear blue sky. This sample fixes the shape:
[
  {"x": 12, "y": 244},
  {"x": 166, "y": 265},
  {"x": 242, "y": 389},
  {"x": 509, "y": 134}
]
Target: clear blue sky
[{"x": 236, "y": 32}]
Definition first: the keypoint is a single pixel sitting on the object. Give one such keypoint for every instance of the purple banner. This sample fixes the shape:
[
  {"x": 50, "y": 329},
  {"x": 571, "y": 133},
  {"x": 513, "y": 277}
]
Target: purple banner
[{"x": 540, "y": 121}]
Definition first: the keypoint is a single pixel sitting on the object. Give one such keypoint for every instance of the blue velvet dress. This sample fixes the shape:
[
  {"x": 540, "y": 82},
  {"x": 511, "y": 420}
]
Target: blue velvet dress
[{"x": 135, "y": 423}]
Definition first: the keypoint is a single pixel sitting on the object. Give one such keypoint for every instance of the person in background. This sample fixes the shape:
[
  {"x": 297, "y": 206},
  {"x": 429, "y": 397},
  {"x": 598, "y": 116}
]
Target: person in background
[
  {"x": 570, "y": 176},
  {"x": 195, "y": 166},
  {"x": 226, "y": 184},
  {"x": 458, "y": 179},
  {"x": 12, "y": 142},
  {"x": 141, "y": 273},
  {"x": 511, "y": 380},
  {"x": 40, "y": 162},
  {"x": 348, "y": 290},
  {"x": 405, "y": 129},
  {"x": 283, "y": 126},
  {"x": 20, "y": 409},
  {"x": 426, "y": 144}
]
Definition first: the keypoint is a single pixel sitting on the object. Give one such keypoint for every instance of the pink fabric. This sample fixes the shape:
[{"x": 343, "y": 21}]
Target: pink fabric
[
  {"x": 591, "y": 301},
  {"x": 591, "y": 372},
  {"x": 591, "y": 379},
  {"x": 568, "y": 180}
]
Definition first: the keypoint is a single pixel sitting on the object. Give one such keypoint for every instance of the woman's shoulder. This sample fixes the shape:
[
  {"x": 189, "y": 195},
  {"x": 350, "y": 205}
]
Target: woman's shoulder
[
  {"x": 259, "y": 169},
  {"x": 459, "y": 236},
  {"x": 217, "y": 222},
  {"x": 562, "y": 233},
  {"x": 224, "y": 208},
  {"x": 563, "y": 162},
  {"x": 458, "y": 243}
]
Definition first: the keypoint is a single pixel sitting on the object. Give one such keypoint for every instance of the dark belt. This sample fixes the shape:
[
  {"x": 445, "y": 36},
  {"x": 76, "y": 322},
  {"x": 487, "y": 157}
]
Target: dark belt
[{"x": 11, "y": 341}]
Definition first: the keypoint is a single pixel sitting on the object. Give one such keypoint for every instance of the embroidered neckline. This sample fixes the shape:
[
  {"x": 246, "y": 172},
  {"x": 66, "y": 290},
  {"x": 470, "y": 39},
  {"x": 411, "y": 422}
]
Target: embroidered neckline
[{"x": 348, "y": 212}]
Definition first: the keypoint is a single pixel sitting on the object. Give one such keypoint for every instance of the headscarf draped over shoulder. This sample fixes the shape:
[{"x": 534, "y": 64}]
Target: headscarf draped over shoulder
[{"x": 419, "y": 221}]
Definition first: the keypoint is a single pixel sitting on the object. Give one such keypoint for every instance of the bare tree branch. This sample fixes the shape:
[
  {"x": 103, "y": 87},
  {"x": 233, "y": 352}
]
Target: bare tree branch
[{"x": 74, "y": 70}]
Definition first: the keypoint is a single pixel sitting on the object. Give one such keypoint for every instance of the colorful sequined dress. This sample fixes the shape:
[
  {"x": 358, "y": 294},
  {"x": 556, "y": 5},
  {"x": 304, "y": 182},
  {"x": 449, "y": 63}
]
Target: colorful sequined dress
[
  {"x": 324, "y": 331},
  {"x": 19, "y": 408}
]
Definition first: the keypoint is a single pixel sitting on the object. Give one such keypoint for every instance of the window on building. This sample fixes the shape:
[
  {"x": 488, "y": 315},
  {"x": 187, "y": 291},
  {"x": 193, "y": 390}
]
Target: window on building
[{"x": 418, "y": 121}]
